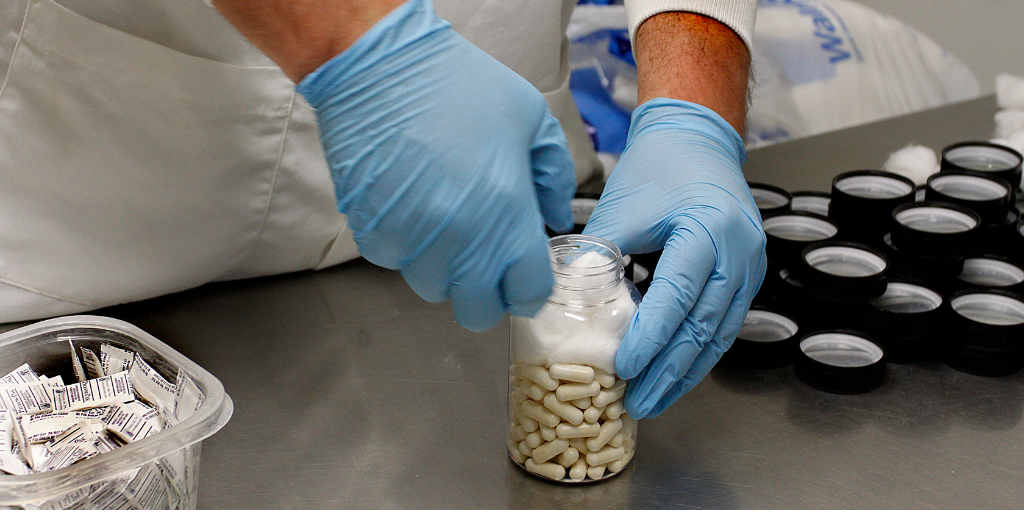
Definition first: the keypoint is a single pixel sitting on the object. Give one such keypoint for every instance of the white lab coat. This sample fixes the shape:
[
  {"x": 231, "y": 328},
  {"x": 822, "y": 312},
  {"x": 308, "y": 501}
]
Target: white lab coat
[{"x": 146, "y": 147}]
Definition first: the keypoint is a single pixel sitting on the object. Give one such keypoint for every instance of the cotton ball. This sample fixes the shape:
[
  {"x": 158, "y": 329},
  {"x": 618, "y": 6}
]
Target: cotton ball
[
  {"x": 537, "y": 337},
  {"x": 615, "y": 316},
  {"x": 1010, "y": 91},
  {"x": 1013, "y": 141},
  {"x": 1008, "y": 122},
  {"x": 915, "y": 162},
  {"x": 591, "y": 259},
  {"x": 591, "y": 348}
]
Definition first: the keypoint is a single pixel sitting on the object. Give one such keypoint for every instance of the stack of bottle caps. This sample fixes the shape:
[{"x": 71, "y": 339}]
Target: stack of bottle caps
[{"x": 880, "y": 271}]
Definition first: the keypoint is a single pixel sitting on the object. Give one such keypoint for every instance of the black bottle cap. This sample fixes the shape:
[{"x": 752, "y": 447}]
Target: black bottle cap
[
  {"x": 862, "y": 202},
  {"x": 840, "y": 361},
  {"x": 981, "y": 362},
  {"x": 990, "y": 271},
  {"x": 987, "y": 319},
  {"x": 843, "y": 271},
  {"x": 790, "y": 232},
  {"x": 811, "y": 201},
  {"x": 988, "y": 195},
  {"x": 906, "y": 319},
  {"x": 770, "y": 199},
  {"x": 766, "y": 340},
  {"x": 930, "y": 228},
  {"x": 812, "y": 313},
  {"x": 986, "y": 157},
  {"x": 927, "y": 270}
]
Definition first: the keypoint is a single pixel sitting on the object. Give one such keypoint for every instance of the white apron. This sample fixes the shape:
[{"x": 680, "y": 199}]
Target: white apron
[{"x": 146, "y": 148}]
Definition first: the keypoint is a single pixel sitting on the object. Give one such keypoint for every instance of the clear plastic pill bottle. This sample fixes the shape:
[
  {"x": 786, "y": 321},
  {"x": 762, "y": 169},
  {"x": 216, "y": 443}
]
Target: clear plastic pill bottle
[{"x": 567, "y": 420}]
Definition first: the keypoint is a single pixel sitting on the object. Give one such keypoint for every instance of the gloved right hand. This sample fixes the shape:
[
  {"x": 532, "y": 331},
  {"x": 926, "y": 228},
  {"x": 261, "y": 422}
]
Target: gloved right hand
[{"x": 444, "y": 161}]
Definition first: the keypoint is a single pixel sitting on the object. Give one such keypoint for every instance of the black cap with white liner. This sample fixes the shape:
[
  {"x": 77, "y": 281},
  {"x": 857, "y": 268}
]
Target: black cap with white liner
[
  {"x": 811, "y": 201},
  {"x": 766, "y": 340},
  {"x": 843, "y": 271},
  {"x": 582, "y": 206},
  {"x": 990, "y": 271},
  {"x": 987, "y": 157},
  {"x": 770, "y": 199},
  {"x": 812, "y": 313},
  {"x": 989, "y": 319},
  {"x": 931, "y": 228},
  {"x": 862, "y": 202},
  {"x": 840, "y": 361},
  {"x": 988, "y": 195},
  {"x": 789, "y": 233},
  {"x": 906, "y": 319},
  {"x": 985, "y": 333},
  {"x": 904, "y": 266}
]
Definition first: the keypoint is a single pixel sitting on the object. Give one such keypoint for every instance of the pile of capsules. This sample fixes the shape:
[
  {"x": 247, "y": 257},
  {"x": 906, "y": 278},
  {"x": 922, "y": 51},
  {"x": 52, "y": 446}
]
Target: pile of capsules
[
  {"x": 568, "y": 422},
  {"x": 880, "y": 270}
]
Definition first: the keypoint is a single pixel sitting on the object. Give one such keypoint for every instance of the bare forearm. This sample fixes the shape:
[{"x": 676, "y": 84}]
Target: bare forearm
[
  {"x": 300, "y": 35},
  {"x": 693, "y": 58}
]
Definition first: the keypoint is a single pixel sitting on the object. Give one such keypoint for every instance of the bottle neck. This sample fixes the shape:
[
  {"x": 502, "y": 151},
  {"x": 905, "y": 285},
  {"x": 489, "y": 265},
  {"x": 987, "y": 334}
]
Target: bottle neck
[{"x": 588, "y": 270}]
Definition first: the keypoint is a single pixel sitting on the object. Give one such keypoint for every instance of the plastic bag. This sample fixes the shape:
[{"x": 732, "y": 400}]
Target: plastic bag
[{"x": 819, "y": 65}]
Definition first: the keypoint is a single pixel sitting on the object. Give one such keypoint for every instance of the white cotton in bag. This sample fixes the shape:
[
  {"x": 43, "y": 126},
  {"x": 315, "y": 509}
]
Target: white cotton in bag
[
  {"x": 1008, "y": 122},
  {"x": 1010, "y": 91},
  {"x": 915, "y": 162}
]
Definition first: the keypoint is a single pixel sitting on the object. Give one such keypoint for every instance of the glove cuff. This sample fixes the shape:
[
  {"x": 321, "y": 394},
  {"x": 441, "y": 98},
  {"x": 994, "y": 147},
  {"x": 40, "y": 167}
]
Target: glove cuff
[
  {"x": 668, "y": 113},
  {"x": 410, "y": 23}
]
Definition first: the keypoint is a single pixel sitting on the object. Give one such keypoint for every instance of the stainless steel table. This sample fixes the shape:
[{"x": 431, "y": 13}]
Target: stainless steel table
[{"x": 351, "y": 392}]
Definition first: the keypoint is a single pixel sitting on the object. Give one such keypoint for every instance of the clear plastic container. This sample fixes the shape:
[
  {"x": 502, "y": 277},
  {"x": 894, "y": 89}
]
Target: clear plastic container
[
  {"x": 567, "y": 421},
  {"x": 103, "y": 481}
]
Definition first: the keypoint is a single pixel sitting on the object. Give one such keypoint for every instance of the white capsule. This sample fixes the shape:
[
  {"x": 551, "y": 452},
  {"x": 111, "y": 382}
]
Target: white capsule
[
  {"x": 595, "y": 472},
  {"x": 628, "y": 425},
  {"x": 547, "y": 433},
  {"x": 611, "y": 394},
  {"x": 519, "y": 397},
  {"x": 617, "y": 465},
  {"x": 514, "y": 382},
  {"x": 568, "y": 457},
  {"x": 578, "y": 471},
  {"x": 513, "y": 451},
  {"x": 517, "y": 433},
  {"x": 529, "y": 424},
  {"x": 565, "y": 410},
  {"x": 579, "y": 443},
  {"x": 608, "y": 429},
  {"x": 582, "y": 403},
  {"x": 567, "y": 431},
  {"x": 546, "y": 469},
  {"x": 571, "y": 372},
  {"x": 525, "y": 450},
  {"x": 539, "y": 375},
  {"x": 604, "y": 378},
  {"x": 532, "y": 390},
  {"x": 540, "y": 413},
  {"x": 606, "y": 455},
  {"x": 617, "y": 440},
  {"x": 592, "y": 414},
  {"x": 575, "y": 391},
  {"x": 549, "y": 450},
  {"x": 533, "y": 439},
  {"x": 628, "y": 444},
  {"x": 614, "y": 410}
]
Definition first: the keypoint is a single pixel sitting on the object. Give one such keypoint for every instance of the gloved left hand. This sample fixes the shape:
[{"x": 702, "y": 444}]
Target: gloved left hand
[
  {"x": 447, "y": 164},
  {"x": 678, "y": 187}
]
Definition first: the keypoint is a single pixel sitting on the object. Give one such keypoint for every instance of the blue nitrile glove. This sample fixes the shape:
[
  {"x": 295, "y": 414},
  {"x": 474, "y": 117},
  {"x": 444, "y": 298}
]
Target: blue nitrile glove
[
  {"x": 444, "y": 161},
  {"x": 678, "y": 186}
]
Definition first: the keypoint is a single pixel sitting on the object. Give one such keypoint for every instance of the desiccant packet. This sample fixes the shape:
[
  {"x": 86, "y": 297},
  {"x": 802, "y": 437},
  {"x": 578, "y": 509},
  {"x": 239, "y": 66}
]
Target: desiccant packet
[{"x": 118, "y": 399}]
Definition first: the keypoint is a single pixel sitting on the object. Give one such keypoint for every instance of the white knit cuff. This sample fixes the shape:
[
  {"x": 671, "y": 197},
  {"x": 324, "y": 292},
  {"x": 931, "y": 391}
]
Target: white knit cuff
[{"x": 738, "y": 15}]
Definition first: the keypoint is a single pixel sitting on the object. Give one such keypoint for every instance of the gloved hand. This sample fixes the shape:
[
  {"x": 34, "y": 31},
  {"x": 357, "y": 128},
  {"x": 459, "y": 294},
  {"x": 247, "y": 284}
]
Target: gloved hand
[
  {"x": 444, "y": 161},
  {"x": 678, "y": 186}
]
